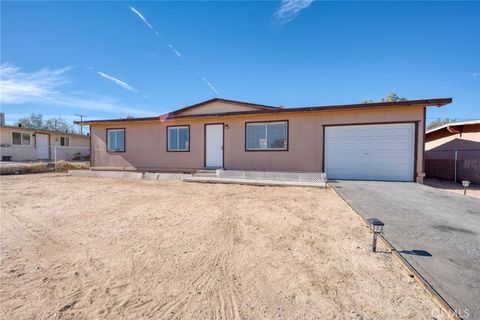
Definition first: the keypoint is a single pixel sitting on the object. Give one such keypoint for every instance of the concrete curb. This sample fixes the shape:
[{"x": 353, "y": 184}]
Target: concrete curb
[
  {"x": 165, "y": 176},
  {"x": 80, "y": 173},
  {"x": 128, "y": 175},
  {"x": 106, "y": 174},
  {"x": 447, "y": 309}
]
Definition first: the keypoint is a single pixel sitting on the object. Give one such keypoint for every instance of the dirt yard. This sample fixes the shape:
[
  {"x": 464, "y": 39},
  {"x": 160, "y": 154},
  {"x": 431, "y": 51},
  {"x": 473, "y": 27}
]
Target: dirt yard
[
  {"x": 455, "y": 187},
  {"x": 91, "y": 248}
]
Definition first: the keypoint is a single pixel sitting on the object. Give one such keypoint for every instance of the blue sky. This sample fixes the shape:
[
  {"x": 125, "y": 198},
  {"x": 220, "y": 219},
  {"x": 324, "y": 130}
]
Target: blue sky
[{"x": 102, "y": 60}]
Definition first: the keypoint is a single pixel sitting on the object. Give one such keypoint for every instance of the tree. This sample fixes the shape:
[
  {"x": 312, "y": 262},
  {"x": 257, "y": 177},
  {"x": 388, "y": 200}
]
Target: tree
[
  {"x": 439, "y": 122},
  {"x": 36, "y": 121},
  {"x": 391, "y": 97},
  {"x": 368, "y": 101},
  {"x": 59, "y": 124}
]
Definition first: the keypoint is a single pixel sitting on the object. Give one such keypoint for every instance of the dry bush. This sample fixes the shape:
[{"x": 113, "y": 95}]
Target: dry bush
[
  {"x": 64, "y": 166},
  {"x": 34, "y": 168},
  {"x": 9, "y": 169},
  {"x": 41, "y": 167}
]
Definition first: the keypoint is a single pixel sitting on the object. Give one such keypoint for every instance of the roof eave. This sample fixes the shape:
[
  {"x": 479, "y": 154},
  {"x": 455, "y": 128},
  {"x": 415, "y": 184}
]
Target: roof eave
[
  {"x": 454, "y": 124},
  {"x": 439, "y": 102},
  {"x": 42, "y": 130},
  {"x": 119, "y": 120}
]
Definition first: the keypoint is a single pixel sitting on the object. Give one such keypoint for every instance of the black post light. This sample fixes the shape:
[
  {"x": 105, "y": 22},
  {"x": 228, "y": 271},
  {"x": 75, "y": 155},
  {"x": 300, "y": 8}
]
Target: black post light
[
  {"x": 465, "y": 185},
  {"x": 377, "y": 227}
]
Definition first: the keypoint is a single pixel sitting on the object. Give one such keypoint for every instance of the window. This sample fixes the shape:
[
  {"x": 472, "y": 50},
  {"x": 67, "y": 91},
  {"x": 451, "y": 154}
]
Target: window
[
  {"x": 267, "y": 136},
  {"x": 116, "y": 140},
  {"x": 21, "y": 138},
  {"x": 64, "y": 141},
  {"x": 178, "y": 138}
]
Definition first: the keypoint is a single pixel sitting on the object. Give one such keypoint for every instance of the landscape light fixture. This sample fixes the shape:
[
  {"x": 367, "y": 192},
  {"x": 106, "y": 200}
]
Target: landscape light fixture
[
  {"x": 465, "y": 185},
  {"x": 377, "y": 227}
]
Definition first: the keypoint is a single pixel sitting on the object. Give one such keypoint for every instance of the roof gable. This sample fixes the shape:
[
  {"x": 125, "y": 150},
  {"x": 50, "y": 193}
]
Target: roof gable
[{"x": 219, "y": 106}]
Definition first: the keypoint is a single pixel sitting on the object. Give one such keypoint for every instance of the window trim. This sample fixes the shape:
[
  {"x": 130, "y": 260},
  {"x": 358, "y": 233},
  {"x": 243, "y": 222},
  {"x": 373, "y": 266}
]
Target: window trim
[
  {"x": 268, "y": 150},
  {"x": 124, "y": 139},
  {"x": 64, "y": 137},
  {"x": 178, "y": 126},
  {"x": 23, "y": 145}
]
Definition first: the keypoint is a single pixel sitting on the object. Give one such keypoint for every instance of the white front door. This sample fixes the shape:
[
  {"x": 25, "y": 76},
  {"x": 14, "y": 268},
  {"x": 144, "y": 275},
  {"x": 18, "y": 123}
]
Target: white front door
[
  {"x": 214, "y": 145},
  {"x": 370, "y": 152},
  {"x": 41, "y": 142}
]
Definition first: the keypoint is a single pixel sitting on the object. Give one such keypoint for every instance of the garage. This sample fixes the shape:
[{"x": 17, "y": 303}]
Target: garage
[{"x": 370, "y": 152}]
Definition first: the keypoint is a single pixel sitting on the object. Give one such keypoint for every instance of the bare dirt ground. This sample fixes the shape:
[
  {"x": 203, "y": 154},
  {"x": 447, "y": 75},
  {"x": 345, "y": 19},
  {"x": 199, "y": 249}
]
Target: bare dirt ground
[
  {"x": 99, "y": 248},
  {"x": 455, "y": 187}
]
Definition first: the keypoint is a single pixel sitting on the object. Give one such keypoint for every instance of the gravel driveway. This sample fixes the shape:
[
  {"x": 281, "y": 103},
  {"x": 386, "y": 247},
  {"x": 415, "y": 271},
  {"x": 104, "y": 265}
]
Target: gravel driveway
[{"x": 443, "y": 228}]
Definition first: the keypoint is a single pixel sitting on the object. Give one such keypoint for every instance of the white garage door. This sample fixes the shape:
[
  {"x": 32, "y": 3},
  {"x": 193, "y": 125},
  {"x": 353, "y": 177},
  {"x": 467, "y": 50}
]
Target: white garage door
[{"x": 370, "y": 152}]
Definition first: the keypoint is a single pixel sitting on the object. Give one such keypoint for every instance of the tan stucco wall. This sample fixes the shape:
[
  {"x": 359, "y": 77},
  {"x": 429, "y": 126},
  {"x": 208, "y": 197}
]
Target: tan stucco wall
[
  {"x": 146, "y": 141},
  {"x": 26, "y": 153},
  {"x": 443, "y": 140},
  {"x": 441, "y": 149}
]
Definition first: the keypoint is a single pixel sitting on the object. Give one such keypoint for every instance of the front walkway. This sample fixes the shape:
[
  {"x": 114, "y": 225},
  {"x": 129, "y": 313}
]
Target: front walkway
[{"x": 437, "y": 232}]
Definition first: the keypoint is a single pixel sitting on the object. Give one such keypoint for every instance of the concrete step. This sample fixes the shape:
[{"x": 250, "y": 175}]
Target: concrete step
[
  {"x": 207, "y": 171},
  {"x": 205, "y": 174}
]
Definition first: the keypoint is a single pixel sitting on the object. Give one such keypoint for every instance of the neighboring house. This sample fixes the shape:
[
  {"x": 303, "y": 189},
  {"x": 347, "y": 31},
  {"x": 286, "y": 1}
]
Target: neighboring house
[
  {"x": 452, "y": 151},
  {"x": 375, "y": 141},
  {"x": 25, "y": 144}
]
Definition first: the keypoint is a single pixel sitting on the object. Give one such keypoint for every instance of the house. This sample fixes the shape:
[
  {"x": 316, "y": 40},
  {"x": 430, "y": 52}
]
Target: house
[
  {"x": 375, "y": 141},
  {"x": 452, "y": 151},
  {"x": 25, "y": 144}
]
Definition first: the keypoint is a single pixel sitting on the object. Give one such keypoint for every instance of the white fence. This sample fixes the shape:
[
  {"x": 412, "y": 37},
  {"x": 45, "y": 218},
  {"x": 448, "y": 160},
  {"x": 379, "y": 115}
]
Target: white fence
[
  {"x": 44, "y": 153},
  {"x": 272, "y": 175}
]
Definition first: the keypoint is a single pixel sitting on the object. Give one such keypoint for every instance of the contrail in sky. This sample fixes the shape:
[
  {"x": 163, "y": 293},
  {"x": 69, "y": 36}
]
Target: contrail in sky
[
  {"x": 117, "y": 81},
  {"x": 208, "y": 83},
  {"x": 177, "y": 53},
  {"x": 144, "y": 20}
]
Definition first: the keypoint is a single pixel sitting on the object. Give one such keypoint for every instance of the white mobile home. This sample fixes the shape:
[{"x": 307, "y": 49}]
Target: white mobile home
[{"x": 26, "y": 144}]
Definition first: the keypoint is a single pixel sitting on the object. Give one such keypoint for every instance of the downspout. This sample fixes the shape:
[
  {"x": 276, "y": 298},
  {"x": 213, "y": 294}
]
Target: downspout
[
  {"x": 424, "y": 137},
  {"x": 90, "y": 146},
  {"x": 456, "y": 158}
]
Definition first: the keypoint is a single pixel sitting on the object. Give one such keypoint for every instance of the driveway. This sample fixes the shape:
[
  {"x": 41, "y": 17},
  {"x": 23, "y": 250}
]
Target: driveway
[{"x": 444, "y": 225}]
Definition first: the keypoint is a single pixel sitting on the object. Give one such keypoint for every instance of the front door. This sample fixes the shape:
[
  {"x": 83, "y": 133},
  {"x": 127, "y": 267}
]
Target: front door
[
  {"x": 41, "y": 142},
  {"x": 214, "y": 145}
]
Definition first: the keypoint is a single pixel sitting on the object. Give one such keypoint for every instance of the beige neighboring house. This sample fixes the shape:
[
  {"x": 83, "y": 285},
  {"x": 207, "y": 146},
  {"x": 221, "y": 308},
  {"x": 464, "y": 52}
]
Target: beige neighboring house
[
  {"x": 371, "y": 141},
  {"x": 24, "y": 144},
  {"x": 452, "y": 151}
]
